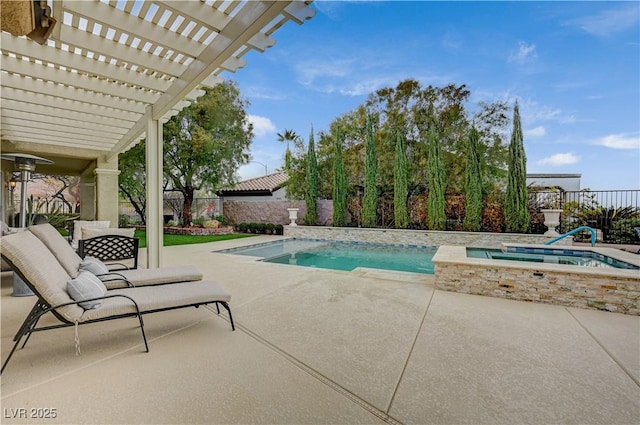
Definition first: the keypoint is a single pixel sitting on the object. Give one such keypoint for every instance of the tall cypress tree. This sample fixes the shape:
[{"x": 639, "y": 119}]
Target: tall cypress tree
[
  {"x": 516, "y": 214},
  {"x": 370, "y": 200},
  {"x": 339, "y": 184},
  {"x": 473, "y": 184},
  {"x": 312, "y": 184},
  {"x": 400, "y": 183},
  {"x": 436, "y": 216}
]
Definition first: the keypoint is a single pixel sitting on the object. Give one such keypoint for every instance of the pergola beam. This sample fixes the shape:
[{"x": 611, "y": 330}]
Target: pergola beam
[
  {"x": 84, "y": 65},
  {"x": 134, "y": 26},
  {"x": 79, "y": 81}
]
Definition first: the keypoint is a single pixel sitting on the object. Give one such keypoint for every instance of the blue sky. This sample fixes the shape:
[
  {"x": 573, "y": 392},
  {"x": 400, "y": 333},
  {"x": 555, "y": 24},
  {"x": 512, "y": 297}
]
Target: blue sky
[{"x": 574, "y": 68}]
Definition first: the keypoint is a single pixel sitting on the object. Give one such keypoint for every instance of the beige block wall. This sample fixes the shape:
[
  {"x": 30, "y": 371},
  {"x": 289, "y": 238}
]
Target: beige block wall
[{"x": 272, "y": 211}]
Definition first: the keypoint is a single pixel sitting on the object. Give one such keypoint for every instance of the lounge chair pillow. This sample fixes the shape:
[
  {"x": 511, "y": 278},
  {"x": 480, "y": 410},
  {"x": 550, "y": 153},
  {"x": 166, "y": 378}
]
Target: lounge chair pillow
[
  {"x": 84, "y": 287},
  {"x": 79, "y": 224},
  {"x": 89, "y": 232},
  {"x": 93, "y": 265}
]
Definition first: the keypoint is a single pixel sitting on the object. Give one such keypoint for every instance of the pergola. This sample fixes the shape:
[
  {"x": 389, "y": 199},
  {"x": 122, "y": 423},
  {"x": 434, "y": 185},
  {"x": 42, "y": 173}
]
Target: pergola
[{"x": 110, "y": 73}]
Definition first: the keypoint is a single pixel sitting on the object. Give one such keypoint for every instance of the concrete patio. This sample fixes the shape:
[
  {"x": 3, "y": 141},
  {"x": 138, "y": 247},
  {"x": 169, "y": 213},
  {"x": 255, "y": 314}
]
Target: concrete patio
[{"x": 320, "y": 346}]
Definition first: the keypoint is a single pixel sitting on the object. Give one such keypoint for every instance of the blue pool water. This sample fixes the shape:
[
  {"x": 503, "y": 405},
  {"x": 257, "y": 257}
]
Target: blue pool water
[
  {"x": 551, "y": 255},
  {"x": 343, "y": 255}
]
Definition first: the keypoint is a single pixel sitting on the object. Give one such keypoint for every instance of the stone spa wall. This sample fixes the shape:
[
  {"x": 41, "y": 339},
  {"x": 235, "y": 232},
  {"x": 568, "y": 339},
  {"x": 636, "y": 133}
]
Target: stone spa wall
[{"x": 609, "y": 289}]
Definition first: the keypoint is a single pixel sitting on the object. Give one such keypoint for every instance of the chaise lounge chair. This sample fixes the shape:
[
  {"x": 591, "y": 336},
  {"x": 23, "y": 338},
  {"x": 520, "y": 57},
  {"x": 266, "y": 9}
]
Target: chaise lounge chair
[
  {"x": 71, "y": 261},
  {"x": 30, "y": 258}
]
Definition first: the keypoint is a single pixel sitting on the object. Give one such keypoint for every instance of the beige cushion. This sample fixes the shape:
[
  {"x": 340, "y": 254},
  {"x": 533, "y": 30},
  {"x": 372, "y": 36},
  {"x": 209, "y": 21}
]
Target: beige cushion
[
  {"x": 160, "y": 276},
  {"x": 79, "y": 224},
  {"x": 41, "y": 268},
  {"x": 150, "y": 298},
  {"x": 59, "y": 246},
  {"x": 92, "y": 232}
]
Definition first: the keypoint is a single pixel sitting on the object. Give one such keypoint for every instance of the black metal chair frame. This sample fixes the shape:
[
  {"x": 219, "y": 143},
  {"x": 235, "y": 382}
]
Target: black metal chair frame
[
  {"x": 110, "y": 248},
  {"x": 42, "y": 307}
]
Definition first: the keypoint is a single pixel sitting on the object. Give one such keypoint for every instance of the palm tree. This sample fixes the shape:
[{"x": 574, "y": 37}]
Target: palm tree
[{"x": 287, "y": 136}]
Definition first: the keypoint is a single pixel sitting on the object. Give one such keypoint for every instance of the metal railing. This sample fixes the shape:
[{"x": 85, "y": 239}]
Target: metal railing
[
  {"x": 201, "y": 207},
  {"x": 614, "y": 213}
]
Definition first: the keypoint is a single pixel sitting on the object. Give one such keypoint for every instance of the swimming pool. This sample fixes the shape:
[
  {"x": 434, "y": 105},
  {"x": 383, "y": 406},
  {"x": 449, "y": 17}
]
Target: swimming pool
[
  {"x": 345, "y": 256},
  {"x": 551, "y": 255}
]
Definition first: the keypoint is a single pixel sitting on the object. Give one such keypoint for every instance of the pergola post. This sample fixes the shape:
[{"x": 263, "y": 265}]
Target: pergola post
[
  {"x": 107, "y": 205},
  {"x": 154, "y": 190},
  {"x": 88, "y": 197}
]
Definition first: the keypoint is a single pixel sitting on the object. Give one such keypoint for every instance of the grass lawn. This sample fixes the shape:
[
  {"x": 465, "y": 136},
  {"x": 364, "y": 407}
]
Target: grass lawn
[{"x": 169, "y": 240}]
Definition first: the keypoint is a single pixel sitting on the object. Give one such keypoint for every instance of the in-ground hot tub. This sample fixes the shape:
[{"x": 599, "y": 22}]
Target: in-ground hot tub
[{"x": 598, "y": 287}]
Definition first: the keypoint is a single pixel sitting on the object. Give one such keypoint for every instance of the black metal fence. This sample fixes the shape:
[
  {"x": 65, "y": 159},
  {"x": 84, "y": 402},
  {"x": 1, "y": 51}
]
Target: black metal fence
[
  {"x": 615, "y": 214},
  {"x": 172, "y": 209}
]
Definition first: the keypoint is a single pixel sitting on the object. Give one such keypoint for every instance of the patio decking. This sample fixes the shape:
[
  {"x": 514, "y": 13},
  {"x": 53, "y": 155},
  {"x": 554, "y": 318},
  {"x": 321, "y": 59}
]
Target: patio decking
[{"x": 320, "y": 346}]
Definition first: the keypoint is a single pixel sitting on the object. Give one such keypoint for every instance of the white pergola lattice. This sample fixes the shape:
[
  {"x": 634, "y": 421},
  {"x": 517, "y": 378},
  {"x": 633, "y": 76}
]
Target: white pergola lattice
[
  {"x": 107, "y": 61},
  {"x": 113, "y": 70}
]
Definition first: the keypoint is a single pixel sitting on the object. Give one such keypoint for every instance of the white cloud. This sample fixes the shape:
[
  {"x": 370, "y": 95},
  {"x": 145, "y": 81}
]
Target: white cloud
[
  {"x": 560, "y": 159},
  {"x": 609, "y": 21},
  {"x": 536, "y": 132},
  {"x": 526, "y": 53},
  {"x": 533, "y": 112},
  {"x": 620, "y": 141},
  {"x": 452, "y": 40},
  {"x": 262, "y": 126},
  {"x": 256, "y": 92},
  {"x": 311, "y": 71}
]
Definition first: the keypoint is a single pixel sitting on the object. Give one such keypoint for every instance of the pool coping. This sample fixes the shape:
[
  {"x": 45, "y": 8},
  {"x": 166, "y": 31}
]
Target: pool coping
[{"x": 458, "y": 255}]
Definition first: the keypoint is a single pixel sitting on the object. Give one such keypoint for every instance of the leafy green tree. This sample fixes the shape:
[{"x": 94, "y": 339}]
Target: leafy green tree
[
  {"x": 436, "y": 217},
  {"x": 339, "y": 183},
  {"x": 312, "y": 183},
  {"x": 410, "y": 106},
  {"x": 297, "y": 172},
  {"x": 206, "y": 142},
  {"x": 133, "y": 177},
  {"x": 400, "y": 192},
  {"x": 516, "y": 213},
  {"x": 370, "y": 200},
  {"x": 473, "y": 185}
]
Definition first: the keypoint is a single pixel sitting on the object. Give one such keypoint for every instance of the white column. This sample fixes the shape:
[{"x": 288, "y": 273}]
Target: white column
[
  {"x": 107, "y": 207},
  {"x": 87, "y": 197},
  {"x": 154, "y": 190}
]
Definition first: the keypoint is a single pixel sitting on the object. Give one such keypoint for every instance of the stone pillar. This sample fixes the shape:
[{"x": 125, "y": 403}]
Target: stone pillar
[{"x": 107, "y": 199}]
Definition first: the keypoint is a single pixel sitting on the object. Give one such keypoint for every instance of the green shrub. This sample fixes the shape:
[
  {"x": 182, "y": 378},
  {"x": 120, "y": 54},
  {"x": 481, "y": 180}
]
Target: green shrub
[
  {"x": 269, "y": 228},
  {"x": 198, "y": 222},
  {"x": 243, "y": 227},
  {"x": 279, "y": 228},
  {"x": 623, "y": 230},
  {"x": 260, "y": 227},
  {"x": 222, "y": 220},
  {"x": 123, "y": 220},
  {"x": 252, "y": 227}
]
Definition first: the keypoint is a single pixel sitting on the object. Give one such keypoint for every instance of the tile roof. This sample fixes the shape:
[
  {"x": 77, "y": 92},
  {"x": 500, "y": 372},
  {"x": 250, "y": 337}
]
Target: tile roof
[{"x": 258, "y": 185}]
